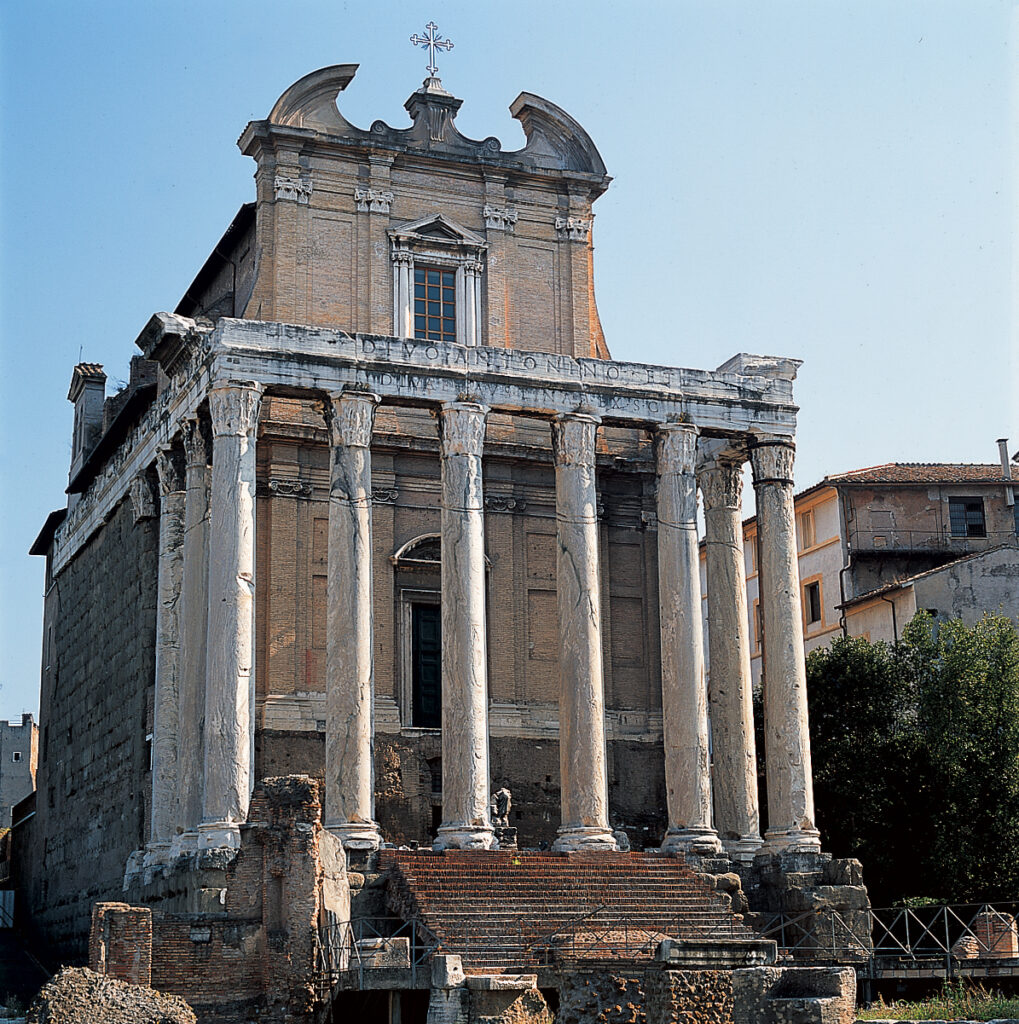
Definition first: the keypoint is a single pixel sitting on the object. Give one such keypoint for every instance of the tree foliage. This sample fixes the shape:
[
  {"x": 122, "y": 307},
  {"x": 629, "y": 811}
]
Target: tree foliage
[{"x": 916, "y": 758}]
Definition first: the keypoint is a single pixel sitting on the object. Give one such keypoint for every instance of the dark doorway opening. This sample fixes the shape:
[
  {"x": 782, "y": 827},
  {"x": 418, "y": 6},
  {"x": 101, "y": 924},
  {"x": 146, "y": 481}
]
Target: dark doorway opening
[{"x": 426, "y": 658}]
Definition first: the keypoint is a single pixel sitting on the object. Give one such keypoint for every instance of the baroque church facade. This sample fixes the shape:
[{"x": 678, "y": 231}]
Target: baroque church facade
[{"x": 378, "y": 507}]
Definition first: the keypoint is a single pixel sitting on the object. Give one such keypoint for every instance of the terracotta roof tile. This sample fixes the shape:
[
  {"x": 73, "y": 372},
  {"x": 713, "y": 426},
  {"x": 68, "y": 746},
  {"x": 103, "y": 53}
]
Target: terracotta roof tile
[{"x": 922, "y": 473}]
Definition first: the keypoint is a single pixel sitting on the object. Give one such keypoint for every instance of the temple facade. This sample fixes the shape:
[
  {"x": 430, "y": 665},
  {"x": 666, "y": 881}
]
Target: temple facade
[{"x": 378, "y": 507}]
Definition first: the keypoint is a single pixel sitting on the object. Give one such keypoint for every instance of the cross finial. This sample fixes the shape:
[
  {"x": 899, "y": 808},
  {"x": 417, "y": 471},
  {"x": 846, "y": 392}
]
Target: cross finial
[{"x": 432, "y": 42}]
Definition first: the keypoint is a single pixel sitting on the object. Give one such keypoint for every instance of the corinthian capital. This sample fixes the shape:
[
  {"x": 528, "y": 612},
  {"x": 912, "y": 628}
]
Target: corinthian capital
[
  {"x": 676, "y": 448},
  {"x": 170, "y": 467},
  {"x": 721, "y": 484},
  {"x": 233, "y": 408},
  {"x": 195, "y": 441},
  {"x": 573, "y": 439},
  {"x": 353, "y": 418},
  {"x": 772, "y": 461},
  {"x": 462, "y": 428}
]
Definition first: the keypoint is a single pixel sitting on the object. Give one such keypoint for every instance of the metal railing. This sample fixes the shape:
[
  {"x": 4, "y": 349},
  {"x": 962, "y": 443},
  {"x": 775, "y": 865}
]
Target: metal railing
[
  {"x": 891, "y": 539},
  {"x": 876, "y": 940},
  {"x": 349, "y": 948}
]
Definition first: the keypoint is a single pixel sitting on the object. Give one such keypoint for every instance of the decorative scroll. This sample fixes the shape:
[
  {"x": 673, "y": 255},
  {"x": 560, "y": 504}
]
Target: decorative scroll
[
  {"x": 504, "y": 503},
  {"x": 385, "y": 495},
  {"x": 290, "y": 488}
]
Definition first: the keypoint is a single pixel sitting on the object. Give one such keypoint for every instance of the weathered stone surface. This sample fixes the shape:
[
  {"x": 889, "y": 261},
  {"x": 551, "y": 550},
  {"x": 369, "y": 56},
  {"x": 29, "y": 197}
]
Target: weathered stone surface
[
  {"x": 794, "y": 995},
  {"x": 79, "y": 996},
  {"x": 585, "y": 811},
  {"x": 601, "y": 996},
  {"x": 684, "y": 691},
  {"x": 687, "y": 996},
  {"x": 508, "y": 1004}
]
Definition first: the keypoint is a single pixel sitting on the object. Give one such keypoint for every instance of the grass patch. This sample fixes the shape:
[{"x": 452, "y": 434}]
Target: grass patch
[{"x": 957, "y": 1000}]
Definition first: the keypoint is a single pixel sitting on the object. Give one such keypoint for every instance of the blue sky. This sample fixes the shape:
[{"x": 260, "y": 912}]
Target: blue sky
[{"x": 830, "y": 181}]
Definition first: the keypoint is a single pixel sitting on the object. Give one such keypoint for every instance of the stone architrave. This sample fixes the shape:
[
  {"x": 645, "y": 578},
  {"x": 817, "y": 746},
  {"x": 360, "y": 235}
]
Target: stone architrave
[
  {"x": 193, "y": 619},
  {"x": 684, "y": 694},
  {"x": 466, "y": 823},
  {"x": 350, "y": 682},
  {"x": 166, "y": 712},
  {"x": 791, "y": 827},
  {"x": 583, "y": 777},
  {"x": 730, "y": 686},
  {"x": 229, "y": 677}
]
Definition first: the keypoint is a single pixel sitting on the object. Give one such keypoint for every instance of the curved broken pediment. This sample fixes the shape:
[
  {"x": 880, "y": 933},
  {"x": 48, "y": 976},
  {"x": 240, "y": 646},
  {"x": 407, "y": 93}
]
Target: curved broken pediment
[{"x": 311, "y": 101}]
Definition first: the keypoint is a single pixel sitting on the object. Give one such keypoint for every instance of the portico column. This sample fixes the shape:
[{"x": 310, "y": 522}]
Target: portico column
[
  {"x": 194, "y": 625},
  {"x": 349, "y": 772},
  {"x": 230, "y": 677},
  {"x": 166, "y": 712},
  {"x": 583, "y": 780},
  {"x": 465, "y": 776},
  {"x": 730, "y": 687},
  {"x": 791, "y": 825},
  {"x": 684, "y": 694}
]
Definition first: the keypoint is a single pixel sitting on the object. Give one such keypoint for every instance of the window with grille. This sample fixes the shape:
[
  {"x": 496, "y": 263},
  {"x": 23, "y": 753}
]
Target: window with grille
[
  {"x": 434, "y": 304},
  {"x": 966, "y": 517}
]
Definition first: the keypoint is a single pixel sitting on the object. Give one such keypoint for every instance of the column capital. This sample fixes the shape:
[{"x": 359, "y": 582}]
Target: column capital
[
  {"x": 353, "y": 418},
  {"x": 195, "y": 441},
  {"x": 676, "y": 447},
  {"x": 772, "y": 461},
  {"x": 573, "y": 438},
  {"x": 233, "y": 408},
  {"x": 721, "y": 483},
  {"x": 462, "y": 428},
  {"x": 170, "y": 469}
]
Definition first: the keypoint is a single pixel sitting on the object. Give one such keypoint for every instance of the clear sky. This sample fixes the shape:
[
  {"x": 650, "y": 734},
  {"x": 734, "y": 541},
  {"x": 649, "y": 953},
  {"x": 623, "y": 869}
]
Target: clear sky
[{"x": 830, "y": 181}]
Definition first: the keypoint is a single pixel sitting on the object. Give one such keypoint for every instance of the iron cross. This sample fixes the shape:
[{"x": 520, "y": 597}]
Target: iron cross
[{"x": 433, "y": 42}]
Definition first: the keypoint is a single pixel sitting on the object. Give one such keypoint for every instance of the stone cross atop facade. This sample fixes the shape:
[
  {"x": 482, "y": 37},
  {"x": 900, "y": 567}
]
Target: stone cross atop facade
[{"x": 432, "y": 42}]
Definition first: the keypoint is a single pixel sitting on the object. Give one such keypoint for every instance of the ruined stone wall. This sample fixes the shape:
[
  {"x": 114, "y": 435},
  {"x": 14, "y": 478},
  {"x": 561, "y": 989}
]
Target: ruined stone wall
[{"x": 94, "y": 782}]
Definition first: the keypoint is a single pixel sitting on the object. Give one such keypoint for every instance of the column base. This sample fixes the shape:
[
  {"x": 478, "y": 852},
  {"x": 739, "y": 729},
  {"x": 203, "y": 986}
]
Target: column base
[
  {"x": 743, "y": 849},
  {"x": 791, "y": 840},
  {"x": 703, "y": 842},
  {"x": 577, "y": 838},
  {"x": 465, "y": 837},
  {"x": 219, "y": 835},
  {"x": 357, "y": 835},
  {"x": 183, "y": 843}
]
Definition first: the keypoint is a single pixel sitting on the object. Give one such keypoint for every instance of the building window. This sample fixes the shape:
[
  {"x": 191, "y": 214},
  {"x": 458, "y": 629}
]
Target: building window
[
  {"x": 812, "y": 602},
  {"x": 438, "y": 266},
  {"x": 751, "y": 550},
  {"x": 966, "y": 517},
  {"x": 805, "y": 522},
  {"x": 434, "y": 304},
  {"x": 426, "y": 666},
  {"x": 16, "y": 756}
]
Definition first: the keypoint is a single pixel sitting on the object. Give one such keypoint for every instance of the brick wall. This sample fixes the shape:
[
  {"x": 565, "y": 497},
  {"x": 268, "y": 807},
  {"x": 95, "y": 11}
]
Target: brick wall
[{"x": 121, "y": 941}]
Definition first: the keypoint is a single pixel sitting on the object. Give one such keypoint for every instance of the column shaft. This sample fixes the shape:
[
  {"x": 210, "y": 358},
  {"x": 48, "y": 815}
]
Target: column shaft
[
  {"x": 465, "y": 779},
  {"x": 582, "y": 769},
  {"x": 684, "y": 694},
  {"x": 230, "y": 671},
  {"x": 194, "y": 624},
  {"x": 349, "y": 772},
  {"x": 791, "y": 825},
  {"x": 730, "y": 687},
  {"x": 166, "y": 712}
]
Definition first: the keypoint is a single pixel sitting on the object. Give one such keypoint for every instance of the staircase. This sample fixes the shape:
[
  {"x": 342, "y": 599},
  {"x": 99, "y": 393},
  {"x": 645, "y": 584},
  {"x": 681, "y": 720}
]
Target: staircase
[{"x": 504, "y": 909}]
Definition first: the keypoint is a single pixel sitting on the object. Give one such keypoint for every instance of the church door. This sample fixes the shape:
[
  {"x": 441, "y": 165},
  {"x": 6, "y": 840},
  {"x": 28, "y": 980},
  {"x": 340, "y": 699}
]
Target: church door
[{"x": 427, "y": 665}]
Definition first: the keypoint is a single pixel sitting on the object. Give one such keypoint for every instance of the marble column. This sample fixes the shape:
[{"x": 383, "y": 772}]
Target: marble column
[
  {"x": 684, "y": 693},
  {"x": 194, "y": 624},
  {"x": 230, "y": 671},
  {"x": 465, "y": 777},
  {"x": 582, "y": 769},
  {"x": 466, "y": 821},
  {"x": 730, "y": 684},
  {"x": 350, "y": 688},
  {"x": 791, "y": 827},
  {"x": 166, "y": 712}
]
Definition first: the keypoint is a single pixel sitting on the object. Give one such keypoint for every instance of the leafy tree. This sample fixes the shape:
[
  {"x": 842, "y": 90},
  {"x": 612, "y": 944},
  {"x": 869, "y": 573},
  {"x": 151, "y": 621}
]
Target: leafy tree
[{"x": 916, "y": 758}]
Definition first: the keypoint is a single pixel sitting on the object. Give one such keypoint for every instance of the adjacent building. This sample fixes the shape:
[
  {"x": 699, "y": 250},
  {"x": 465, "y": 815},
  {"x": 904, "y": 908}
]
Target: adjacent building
[{"x": 19, "y": 749}]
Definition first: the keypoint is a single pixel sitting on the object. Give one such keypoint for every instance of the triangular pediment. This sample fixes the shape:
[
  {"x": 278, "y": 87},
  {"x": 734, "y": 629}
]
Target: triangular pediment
[{"x": 437, "y": 227}]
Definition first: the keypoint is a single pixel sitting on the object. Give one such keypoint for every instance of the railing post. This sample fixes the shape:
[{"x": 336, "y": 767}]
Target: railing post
[{"x": 948, "y": 947}]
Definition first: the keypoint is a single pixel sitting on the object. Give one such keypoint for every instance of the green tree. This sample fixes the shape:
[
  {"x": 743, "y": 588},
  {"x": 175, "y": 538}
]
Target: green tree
[{"x": 916, "y": 758}]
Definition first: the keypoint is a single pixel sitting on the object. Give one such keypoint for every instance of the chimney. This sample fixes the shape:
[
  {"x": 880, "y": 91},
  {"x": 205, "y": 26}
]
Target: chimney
[
  {"x": 1006, "y": 470},
  {"x": 88, "y": 393}
]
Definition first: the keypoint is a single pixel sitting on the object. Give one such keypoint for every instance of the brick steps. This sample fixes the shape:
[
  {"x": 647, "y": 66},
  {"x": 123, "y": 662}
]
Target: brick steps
[{"x": 502, "y": 909}]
